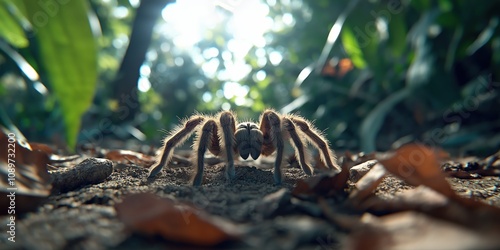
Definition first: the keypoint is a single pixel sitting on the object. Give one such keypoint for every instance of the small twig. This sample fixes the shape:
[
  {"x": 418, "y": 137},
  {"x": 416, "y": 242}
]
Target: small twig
[
  {"x": 213, "y": 161},
  {"x": 181, "y": 160},
  {"x": 63, "y": 159},
  {"x": 51, "y": 167}
]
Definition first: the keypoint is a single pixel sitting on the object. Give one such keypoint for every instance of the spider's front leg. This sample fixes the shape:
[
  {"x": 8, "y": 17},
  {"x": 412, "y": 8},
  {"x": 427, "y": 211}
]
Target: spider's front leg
[
  {"x": 177, "y": 137},
  {"x": 270, "y": 125},
  {"x": 207, "y": 137},
  {"x": 228, "y": 127}
]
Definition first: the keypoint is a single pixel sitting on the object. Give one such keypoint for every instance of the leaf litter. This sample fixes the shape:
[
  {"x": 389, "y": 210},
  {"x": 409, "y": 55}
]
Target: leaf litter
[
  {"x": 23, "y": 172},
  {"x": 344, "y": 211}
]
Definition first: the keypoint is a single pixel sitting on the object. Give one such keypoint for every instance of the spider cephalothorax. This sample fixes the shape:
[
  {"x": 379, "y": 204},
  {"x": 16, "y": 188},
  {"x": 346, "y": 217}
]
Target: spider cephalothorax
[{"x": 222, "y": 136}]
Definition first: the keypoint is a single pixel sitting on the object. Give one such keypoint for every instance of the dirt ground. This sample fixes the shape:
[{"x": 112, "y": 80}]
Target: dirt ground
[{"x": 85, "y": 218}]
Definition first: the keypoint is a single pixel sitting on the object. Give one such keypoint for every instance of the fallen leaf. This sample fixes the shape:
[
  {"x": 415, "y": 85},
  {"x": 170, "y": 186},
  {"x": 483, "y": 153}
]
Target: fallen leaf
[
  {"x": 324, "y": 184},
  {"x": 367, "y": 184},
  {"x": 23, "y": 174},
  {"x": 411, "y": 230},
  {"x": 418, "y": 164},
  {"x": 127, "y": 156},
  {"x": 464, "y": 212},
  {"x": 344, "y": 221},
  {"x": 472, "y": 167},
  {"x": 42, "y": 147},
  {"x": 149, "y": 214},
  {"x": 359, "y": 170},
  {"x": 277, "y": 203},
  {"x": 288, "y": 232}
]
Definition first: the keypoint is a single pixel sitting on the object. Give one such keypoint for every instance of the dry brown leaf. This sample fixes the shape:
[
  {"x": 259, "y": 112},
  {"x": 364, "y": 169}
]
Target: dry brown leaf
[
  {"x": 149, "y": 214},
  {"x": 473, "y": 167},
  {"x": 344, "y": 221},
  {"x": 367, "y": 184},
  {"x": 359, "y": 170},
  {"x": 421, "y": 199},
  {"x": 411, "y": 230},
  {"x": 418, "y": 164},
  {"x": 42, "y": 147},
  {"x": 461, "y": 211},
  {"x": 325, "y": 184},
  {"x": 23, "y": 174},
  {"x": 126, "y": 156}
]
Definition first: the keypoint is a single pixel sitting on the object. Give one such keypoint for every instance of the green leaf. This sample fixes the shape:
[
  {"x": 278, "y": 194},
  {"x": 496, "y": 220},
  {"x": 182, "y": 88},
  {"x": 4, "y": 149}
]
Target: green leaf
[
  {"x": 10, "y": 29},
  {"x": 68, "y": 54},
  {"x": 352, "y": 48},
  {"x": 397, "y": 35}
]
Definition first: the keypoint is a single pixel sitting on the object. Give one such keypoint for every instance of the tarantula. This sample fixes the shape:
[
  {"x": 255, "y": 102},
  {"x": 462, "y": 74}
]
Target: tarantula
[{"x": 222, "y": 136}]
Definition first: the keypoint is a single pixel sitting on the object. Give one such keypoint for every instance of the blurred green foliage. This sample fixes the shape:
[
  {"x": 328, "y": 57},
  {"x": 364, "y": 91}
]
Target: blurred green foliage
[
  {"x": 64, "y": 55},
  {"x": 400, "y": 70}
]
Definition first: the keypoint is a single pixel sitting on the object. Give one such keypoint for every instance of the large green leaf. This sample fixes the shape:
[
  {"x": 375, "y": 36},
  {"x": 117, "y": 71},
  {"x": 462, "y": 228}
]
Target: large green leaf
[
  {"x": 352, "y": 47},
  {"x": 10, "y": 29},
  {"x": 68, "y": 55}
]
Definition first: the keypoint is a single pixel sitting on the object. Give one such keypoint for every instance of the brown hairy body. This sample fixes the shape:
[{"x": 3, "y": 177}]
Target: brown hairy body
[{"x": 223, "y": 136}]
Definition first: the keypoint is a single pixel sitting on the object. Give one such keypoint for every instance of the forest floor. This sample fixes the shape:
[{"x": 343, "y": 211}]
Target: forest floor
[{"x": 126, "y": 210}]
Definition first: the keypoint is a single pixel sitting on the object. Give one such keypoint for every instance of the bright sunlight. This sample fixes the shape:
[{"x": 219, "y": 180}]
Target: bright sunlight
[{"x": 188, "y": 22}]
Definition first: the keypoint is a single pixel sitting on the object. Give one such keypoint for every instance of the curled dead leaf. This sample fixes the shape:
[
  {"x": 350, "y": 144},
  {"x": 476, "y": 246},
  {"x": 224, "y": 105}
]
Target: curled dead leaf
[
  {"x": 149, "y": 214},
  {"x": 367, "y": 184},
  {"x": 325, "y": 184},
  {"x": 418, "y": 164},
  {"x": 411, "y": 230},
  {"x": 23, "y": 174},
  {"x": 42, "y": 147}
]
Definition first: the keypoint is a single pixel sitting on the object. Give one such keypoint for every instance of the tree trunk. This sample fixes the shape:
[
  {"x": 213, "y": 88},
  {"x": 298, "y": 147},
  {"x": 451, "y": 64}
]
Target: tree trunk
[{"x": 125, "y": 83}]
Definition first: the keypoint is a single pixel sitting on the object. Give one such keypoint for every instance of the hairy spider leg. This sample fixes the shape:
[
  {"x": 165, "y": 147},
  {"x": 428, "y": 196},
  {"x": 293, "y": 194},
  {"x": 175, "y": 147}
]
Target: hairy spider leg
[
  {"x": 176, "y": 138},
  {"x": 214, "y": 147},
  {"x": 204, "y": 140},
  {"x": 315, "y": 138},
  {"x": 270, "y": 125},
  {"x": 298, "y": 143},
  {"x": 228, "y": 127}
]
